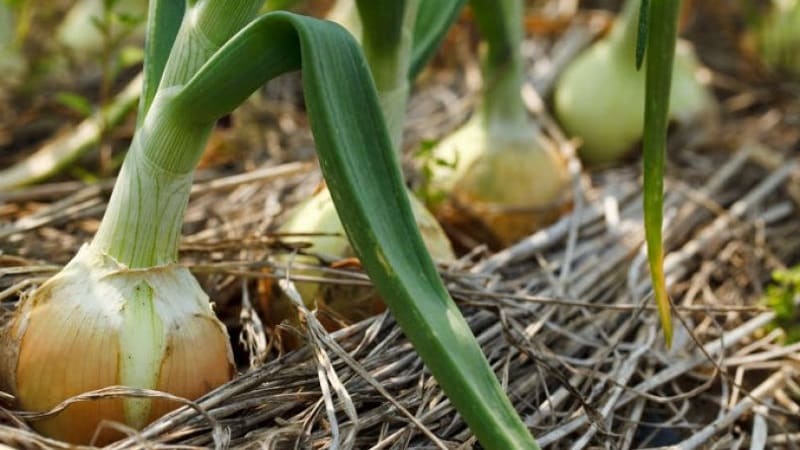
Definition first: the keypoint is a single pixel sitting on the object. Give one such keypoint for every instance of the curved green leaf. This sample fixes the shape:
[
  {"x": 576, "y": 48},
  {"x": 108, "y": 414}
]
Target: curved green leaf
[
  {"x": 357, "y": 161},
  {"x": 661, "y": 38}
]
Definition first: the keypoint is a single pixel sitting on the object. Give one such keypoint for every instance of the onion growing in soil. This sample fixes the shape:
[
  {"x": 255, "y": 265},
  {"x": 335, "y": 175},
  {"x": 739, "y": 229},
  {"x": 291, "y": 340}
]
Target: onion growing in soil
[
  {"x": 99, "y": 323},
  {"x": 123, "y": 284},
  {"x": 387, "y": 47},
  {"x": 600, "y": 96},
  {"x": 498, "y": 176},
  {"x": 122, "y": 311},
  {"x": 325, "y": 242}
]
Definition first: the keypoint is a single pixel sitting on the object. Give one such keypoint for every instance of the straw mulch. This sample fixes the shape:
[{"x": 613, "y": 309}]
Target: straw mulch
[{"x": 564, "y": 316}]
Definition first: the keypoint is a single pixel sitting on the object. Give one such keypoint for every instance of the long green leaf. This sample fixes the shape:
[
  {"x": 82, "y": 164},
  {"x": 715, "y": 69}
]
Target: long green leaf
[
  {"x": 660, "y": 53},
  {"x": 164, "y": 20},
  {"x": 357, "y": 161},
  {"x": 434, "y": 18}
]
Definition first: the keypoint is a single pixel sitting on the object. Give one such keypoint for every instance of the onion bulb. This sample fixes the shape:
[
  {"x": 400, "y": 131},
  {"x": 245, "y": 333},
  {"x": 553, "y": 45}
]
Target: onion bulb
[
  {"x": 499, "y": 182},
  {"x": 342, "y": 304},
  {"x": 600, "y": 96},
  {"x": 498, "y": 176},
  {"x": 98, "y": 323}
]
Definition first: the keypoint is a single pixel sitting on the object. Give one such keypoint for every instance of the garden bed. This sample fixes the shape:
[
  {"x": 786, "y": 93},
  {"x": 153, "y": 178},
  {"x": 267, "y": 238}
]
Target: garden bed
[{"x": 564, "y": 316}]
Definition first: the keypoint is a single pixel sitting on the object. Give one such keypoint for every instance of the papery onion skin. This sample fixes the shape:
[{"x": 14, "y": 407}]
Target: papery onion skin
[
  {"x": 600, "y": 97},
  {"x": 68, "y": 338},
  {"x": 498, "y": 184},
  {"x": 340, "y": 304}
]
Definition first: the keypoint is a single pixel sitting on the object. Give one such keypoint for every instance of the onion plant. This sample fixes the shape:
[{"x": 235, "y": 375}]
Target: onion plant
[
  {"x": 646, "y": 36},
  {"x": 589, "y": 100},
  {"x": 386, "y": 29},
  {"x": 123, "y": 311},
  {"x": 498, "y": 172}
]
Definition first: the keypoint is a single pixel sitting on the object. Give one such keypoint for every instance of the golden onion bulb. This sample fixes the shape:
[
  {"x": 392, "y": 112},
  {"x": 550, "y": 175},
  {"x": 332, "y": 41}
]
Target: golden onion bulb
[
  {"x": 343, "y": 303},
  {"x": 98, "y": 323},
  {"x": 600, "y": 97},
  {"x": 499, "y": 181}
]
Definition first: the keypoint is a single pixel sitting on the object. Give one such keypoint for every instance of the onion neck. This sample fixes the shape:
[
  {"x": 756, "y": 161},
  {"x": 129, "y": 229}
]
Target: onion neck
[
  {"x": 389, "y": 61},
  {"x": 142, "y": 224},
  {"x": 502, "y": 109}
]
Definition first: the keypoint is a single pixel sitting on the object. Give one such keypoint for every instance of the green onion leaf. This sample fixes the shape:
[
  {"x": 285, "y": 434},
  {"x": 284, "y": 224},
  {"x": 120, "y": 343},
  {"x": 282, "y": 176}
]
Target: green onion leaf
[
  {"x": 663, "y": 20},
  {"x": 358, "y": 163},
  {"x": 164, "y": 20}
]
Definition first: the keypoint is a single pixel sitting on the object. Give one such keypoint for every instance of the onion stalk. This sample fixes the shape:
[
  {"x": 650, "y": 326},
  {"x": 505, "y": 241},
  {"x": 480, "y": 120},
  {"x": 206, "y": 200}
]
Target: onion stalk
[
  {"x": 196, "y": 85},
  {"x": 600, "y": 96},
  {"x": 498, "y": 173}
]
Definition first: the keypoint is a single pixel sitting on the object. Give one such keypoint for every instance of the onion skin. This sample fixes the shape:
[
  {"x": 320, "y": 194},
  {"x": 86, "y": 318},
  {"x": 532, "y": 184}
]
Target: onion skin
[
  {"x": 600, "y": 99},
  {"x": 499, "y": 183},
  {"x": 339, "y": 304},
  {"x": 69, "y": 337}
]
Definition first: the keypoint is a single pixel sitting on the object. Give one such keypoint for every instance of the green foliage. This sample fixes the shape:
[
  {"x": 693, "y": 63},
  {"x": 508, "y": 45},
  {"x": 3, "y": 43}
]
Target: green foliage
[
  {"x": 641, "y": 36},
  {"x": 428, "y": 164},
  {"x": 357, "y": 160},
  {"x": 75, "y": 102},
  {"x": 662, "y": 35},
  {"x": 781, "y": 296}
]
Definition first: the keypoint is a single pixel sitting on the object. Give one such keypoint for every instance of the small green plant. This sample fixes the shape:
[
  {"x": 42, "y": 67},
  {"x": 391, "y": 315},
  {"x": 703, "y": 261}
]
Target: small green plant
[
  {"x": 93, "y": 28},
  {"x": 429, "y": 163},
  {"x": 781, "y": 296}
]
